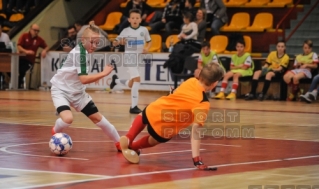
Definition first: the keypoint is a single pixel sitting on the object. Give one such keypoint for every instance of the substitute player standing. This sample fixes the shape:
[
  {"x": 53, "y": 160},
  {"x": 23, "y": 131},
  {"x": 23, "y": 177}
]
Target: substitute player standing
[
  {"x": 68, "y": 86},
  {"x": 134, "y": 38}
]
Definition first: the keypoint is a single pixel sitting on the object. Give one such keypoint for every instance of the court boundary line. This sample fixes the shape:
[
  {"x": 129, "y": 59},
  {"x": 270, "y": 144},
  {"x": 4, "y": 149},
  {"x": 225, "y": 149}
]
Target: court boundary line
[
  {"x": 177, "y": 170},
  {"x": 97, "y": 128}
]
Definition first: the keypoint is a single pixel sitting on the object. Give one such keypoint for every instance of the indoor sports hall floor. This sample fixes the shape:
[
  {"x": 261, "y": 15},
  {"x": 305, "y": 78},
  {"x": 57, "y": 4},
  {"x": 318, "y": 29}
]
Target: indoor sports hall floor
[{"x": 284, "y": 149}]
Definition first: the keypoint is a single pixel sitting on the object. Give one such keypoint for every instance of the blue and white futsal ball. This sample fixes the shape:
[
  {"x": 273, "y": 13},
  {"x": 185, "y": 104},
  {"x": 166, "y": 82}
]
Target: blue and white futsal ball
[{"x": 60, "y": 144}]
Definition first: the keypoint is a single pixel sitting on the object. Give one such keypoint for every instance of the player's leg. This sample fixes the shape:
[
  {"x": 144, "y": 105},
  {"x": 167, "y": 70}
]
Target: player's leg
[
  {"x": 313, "y": 92},
  {"x": 232, "y": 95},
  {"x": 295, "y": 85},
  {"x": 221, "y": 94},
  {"x": 288, "y": 78},
  {"x": 63, "y": 109},
  {"x": 268, "y": 78},
  {"x": 134, "y": 84},
  {"x": 91, "y": 111},
  {"x": 254, "y": 85}
]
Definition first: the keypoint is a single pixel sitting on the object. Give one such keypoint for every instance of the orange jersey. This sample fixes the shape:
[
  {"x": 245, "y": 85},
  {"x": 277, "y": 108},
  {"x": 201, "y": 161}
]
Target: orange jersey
[{"x": 170, "y": 114}]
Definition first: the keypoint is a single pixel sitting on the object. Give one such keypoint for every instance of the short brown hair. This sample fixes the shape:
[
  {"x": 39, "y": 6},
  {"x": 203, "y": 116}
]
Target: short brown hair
[
  {"x": 211, "y": 73},
  {"x": 308, "y": 42},
  {"x": 137, "y": 11}
]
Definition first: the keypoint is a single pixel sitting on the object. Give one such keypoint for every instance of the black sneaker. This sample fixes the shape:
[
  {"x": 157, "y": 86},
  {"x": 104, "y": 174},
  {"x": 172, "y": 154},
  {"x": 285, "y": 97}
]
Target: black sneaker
[
  {"x": 135, "y": 110},
  {"x": 250, "y": 97},
  {"x": 261, "y": 97},
  {"x": 113, "y": 83}
]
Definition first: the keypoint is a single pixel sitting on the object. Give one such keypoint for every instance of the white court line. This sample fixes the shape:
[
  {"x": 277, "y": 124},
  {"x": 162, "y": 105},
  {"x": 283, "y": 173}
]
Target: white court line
[
  {"x": 165, "y": 171},
  {"x": 96, "y": 128},
  {"x": 4, "y": 149},
  {"x": 212, "y": 144},
  {"x": 169, "y": 152}
]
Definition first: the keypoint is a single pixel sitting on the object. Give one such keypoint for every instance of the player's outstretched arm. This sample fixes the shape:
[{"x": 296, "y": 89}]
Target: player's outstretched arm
[
  {"x": 86, "y": 79},
  {"x": 195, "y": 143}
]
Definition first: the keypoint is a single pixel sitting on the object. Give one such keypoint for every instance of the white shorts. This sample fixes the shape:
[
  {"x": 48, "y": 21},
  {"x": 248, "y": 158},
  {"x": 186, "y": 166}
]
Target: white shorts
[
  {"x": 304, "y": 71},
  {"x": 133, "y": 71},
  {"x": 77, "y": 101}
]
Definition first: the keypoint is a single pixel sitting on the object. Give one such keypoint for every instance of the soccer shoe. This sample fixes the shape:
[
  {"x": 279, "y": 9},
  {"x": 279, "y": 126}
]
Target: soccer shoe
[
  {"x": 305, "y": 97},
  {"x": 52, "y": 131},
  {"x": 130, "y": 155},
  {"x": 113, "y": 83},
  {"x": 249, "y": 96},
  {"x": 118, "y": 146},
  {"x": 135, "y": 110},
  {"x": 200, "y": 165},
  {"x": 291, "y": 97},
  {"x": 261, "y": 97},
  {"x": 231, "y": 96},
  {"x": 313, "y": 95},
  {"x": 220, "y": 95}
]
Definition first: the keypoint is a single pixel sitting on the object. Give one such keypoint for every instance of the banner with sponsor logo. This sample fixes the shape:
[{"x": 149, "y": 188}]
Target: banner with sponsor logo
[{"x": 150, "y": 66}]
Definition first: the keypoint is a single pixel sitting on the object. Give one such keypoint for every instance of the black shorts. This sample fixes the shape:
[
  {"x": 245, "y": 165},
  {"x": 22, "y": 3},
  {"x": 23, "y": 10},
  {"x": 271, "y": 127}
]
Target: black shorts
[
  {"x": 151, "y": 130},
  {"x": 277, "y": 74}
]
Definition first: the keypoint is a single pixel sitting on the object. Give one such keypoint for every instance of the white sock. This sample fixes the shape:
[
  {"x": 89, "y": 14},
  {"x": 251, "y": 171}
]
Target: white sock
[
  {"x": 134, "y": 94},
  {"x": 108, "y": 129},
  {"x": 60, "y": 125},
  {"x": 122, "y": 81}
]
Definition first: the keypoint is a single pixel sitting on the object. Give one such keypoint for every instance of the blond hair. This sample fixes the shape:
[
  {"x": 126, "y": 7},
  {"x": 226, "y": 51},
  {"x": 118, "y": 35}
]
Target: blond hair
[
  {"x": 211, "y": 73},
  {"x": 92, "y": 28}
]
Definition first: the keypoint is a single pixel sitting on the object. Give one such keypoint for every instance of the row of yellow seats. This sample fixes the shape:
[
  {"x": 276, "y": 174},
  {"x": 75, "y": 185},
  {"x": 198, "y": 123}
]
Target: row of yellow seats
[
  {"x": 218, "y": 43},
  {"x": 13, "y": 18},
  {"x": 239, "y": 22},
  {"x": 228, "y": 3}
]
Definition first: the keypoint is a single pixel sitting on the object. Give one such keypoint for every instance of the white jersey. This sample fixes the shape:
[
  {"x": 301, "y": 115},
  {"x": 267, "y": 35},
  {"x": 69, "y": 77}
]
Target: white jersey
[
  {"x": 67, "y": 77},
  {"x": 135, "y": 39}
]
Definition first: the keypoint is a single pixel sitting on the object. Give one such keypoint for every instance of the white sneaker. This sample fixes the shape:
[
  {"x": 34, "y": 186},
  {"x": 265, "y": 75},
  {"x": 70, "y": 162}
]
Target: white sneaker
[
  {"x": 313, "y": 95},
  {"x": 305, "y": 97}
]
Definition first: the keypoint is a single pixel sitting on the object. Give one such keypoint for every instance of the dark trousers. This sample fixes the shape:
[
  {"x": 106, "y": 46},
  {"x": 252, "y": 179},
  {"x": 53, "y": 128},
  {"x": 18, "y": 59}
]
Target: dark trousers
[
  {"x": 215, "y": 24},
  {"x": 24, "y": 66}
]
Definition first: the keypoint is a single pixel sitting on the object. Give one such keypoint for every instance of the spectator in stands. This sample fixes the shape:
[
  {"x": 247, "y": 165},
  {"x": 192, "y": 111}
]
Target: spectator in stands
[
  {"x": 276, "y": 64},
  {"x": 67, "y": 44},
  {"x": 171, "y": 19},
  {"x": 134, "y": 4},
  {"x": 80, "y": 27},
  {"x": 189, "y": 7},
  {"x": 216, "y": 14},
  {"x": 241, "y": 66},
  {"x": 304, "y": 64},
  {"x": 189, "y": 29},
  {"x": 4, "y": 37},
  {"x": 206, "y": 56},
  {"x": 312, "y": 93},
  {"x": 201, "y": 24},
  {"x": 28, "y": 44}
]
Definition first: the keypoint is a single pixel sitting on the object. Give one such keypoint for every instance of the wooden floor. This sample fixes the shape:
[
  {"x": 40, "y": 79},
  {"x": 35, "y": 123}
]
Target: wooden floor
[{"x": 284, "y": 149}]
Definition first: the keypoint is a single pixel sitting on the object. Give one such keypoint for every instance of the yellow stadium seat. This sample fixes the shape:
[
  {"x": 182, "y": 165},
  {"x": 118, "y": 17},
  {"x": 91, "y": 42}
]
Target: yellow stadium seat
[
  {"x": 3, "y": 15},
  {"x": 16, "y": 17},
  {"x": 123, "y": 5},
  {"x": 235, "y": 3},
  {"x": 5, "y": 29},
  {"x": 257, "y": 3},
  {"x": 156, "y": 3},
  {"x": 174, "y": 39},
  {"x": 112, "y": 36},
  {"x": 218, "y": 43},
  {"x": 239, "y": 22},
  {"x": 0, "y": 4},
  {"x": 261, "y": 22},
  {"x": 156, "y": 43},
  {"x": 111, "y": 21},
  {"x": 248, "y": 43},
  {"x": 279, "y": 3}
]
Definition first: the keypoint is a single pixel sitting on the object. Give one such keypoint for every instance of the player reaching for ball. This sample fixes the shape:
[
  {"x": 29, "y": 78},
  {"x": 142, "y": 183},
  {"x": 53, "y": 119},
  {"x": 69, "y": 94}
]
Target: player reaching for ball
[
  {"x": 68, "y": 86},
  {"x": 134, "y": 38},
  {"x": 162, "y": 116}
]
